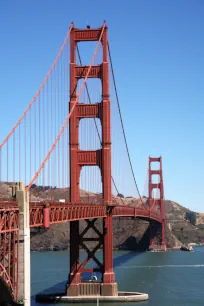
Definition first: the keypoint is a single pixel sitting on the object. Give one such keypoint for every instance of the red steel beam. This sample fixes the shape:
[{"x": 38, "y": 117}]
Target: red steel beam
[
  {"x": 9, "y": 241},
  {"x": 63, "y": 212},
  {"x": 81, "y": 71},
  {"x": 87, "y": 35}
]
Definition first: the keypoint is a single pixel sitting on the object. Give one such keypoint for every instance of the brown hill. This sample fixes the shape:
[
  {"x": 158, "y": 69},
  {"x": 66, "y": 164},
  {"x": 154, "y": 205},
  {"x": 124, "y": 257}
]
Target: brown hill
[{"x": 182, "y": 229}]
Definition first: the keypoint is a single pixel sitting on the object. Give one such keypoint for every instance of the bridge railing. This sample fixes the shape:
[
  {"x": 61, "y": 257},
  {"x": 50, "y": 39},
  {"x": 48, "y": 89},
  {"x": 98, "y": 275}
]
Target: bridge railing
[{"x": 44, "y": 214}]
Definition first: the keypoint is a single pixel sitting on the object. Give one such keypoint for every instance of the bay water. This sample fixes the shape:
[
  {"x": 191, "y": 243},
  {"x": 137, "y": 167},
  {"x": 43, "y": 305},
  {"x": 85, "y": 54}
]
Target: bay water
[{"x": 170, "y": 278}]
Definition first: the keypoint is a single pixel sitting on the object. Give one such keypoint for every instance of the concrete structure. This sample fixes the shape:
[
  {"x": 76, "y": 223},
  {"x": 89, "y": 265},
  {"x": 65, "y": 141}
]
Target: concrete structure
[
  {"x": 24, "y": 246},
  {"x": 121, "y": 297}
]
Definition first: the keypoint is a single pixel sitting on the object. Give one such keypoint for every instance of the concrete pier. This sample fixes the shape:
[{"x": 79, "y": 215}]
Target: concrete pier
[
  {"x": 22, "y": 198},
  {"x": 122, "y": 297}
]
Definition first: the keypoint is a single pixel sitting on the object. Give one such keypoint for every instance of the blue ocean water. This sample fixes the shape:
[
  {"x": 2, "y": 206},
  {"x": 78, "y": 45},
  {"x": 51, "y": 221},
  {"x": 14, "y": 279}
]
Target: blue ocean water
[{"x": 170, "y": 279}]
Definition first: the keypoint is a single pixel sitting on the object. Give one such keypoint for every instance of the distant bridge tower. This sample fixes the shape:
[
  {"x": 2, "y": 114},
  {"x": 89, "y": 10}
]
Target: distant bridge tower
[
  {"x": 157, "y": 203},
  {"x": 100, "y": 158}
]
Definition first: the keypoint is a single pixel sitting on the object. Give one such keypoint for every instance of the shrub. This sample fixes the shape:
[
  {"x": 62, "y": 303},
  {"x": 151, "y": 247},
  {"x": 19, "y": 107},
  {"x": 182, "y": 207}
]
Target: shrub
[{"x": 191, "y": 216}]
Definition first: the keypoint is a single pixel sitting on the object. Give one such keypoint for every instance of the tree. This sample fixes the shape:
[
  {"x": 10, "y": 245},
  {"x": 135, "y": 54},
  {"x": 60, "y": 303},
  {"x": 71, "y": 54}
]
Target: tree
[
  {"x": 120, "y": 195},
  {"x": 191, "y": 216}
]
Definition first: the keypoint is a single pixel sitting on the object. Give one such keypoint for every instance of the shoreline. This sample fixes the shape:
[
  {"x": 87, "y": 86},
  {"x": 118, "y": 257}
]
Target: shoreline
[{"x": 115, "y": 249}]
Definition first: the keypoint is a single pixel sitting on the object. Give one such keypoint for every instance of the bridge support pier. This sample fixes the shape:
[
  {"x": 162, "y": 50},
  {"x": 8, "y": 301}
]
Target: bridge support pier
[
  {"x": 163, "y": 240},
  {"x": 157, "y": 236},
  {"x": 24, "y": 247},
  {"x": 108, "y": 286}
]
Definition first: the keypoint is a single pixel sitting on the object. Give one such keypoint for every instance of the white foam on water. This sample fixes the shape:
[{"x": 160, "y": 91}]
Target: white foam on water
[{"x": 162, "y": 266}]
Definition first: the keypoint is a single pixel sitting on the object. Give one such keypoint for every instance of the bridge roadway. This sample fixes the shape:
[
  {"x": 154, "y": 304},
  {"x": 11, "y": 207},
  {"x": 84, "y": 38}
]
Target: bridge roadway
[{"x": 47, "y": 213}]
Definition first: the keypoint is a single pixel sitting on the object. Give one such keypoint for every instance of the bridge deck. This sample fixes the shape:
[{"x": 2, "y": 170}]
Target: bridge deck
[{"x": 61, "y": 212}]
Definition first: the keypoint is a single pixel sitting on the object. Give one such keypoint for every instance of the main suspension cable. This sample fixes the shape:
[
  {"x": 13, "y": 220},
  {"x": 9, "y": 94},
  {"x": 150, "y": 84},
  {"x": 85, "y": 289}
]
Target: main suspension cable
[
  {"x": 39, "y": 90},
  {"x": 121, "y": 120},
  {"x": 70, "y": 113}
]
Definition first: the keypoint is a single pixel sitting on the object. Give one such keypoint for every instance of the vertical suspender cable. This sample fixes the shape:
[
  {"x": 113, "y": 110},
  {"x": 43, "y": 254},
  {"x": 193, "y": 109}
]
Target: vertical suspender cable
[{"x": 41, "y": 87}]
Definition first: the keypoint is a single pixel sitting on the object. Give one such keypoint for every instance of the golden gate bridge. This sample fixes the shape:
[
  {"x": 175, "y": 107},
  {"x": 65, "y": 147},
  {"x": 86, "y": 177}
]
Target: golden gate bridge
[{"x": 71, "y": 153}]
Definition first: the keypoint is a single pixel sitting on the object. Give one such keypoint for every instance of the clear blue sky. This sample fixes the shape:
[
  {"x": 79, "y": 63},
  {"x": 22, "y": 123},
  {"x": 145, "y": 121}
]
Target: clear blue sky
[{"x": 158, "y": 53}]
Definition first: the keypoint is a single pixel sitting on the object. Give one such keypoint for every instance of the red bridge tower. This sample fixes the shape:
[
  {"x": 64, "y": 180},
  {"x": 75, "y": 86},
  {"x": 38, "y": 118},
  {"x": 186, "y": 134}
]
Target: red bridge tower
[
  {"x": 100, "y": 158},
  {"x": 157, "y": 203}
]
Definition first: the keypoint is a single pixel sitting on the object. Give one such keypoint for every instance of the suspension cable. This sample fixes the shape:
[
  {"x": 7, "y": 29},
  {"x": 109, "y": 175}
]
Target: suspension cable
[
  {"x": 121, "y": 120},
  {"x": 89, "y": 99},
  {"x": 39, "y": 90},
  {"x": 70, "y": 113}
]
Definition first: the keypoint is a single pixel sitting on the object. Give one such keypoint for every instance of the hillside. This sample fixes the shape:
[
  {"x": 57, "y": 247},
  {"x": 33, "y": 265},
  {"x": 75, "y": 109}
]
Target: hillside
[{"x": 182, "y": 229}]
